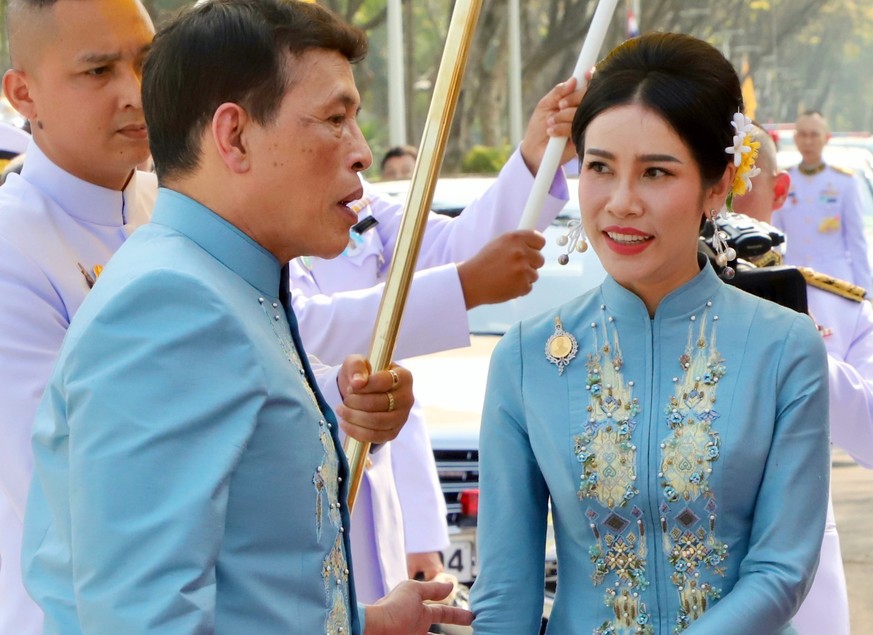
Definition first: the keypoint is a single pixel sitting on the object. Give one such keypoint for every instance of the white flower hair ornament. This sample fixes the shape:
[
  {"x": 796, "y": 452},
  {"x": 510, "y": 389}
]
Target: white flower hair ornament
[{"x": 744, "y": 151}]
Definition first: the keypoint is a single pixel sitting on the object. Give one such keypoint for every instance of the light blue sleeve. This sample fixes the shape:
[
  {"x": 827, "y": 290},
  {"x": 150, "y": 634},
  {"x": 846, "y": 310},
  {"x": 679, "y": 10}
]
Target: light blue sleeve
[
  {"x": 163, "y": 392},
  {"x": 508, "y": 594},
  {"x": 789, "y": 515}
]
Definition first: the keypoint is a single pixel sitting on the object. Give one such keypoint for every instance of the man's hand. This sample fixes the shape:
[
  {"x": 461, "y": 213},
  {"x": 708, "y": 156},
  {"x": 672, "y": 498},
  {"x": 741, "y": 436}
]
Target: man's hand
[
  {"x": 375, "y": 405},
  {"x": 552, "y": 117},
  {"x": 503, "y": 269},
  {"x": 427, "y": 564},
  {"x": 404, "y": 612}
]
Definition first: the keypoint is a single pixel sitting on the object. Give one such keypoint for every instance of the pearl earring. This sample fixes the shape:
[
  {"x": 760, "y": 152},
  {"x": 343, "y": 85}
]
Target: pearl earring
[
  {"x": 723, "y": 253},
  {"x": 573, "y": 239}
]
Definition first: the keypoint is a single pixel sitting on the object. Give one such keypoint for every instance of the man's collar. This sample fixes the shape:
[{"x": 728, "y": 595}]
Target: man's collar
[
  {"x": 80, "y": 199},
  {"x": 811, "y": 171}
]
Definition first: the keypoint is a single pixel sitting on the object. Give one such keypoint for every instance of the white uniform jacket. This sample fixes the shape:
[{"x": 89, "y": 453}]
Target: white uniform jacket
[
  {"x": 822, "y": 220},
  {"x": 336, "y": 302},
  {"x": 50, "y": 223},
  {"x": 847, "y": 327}
]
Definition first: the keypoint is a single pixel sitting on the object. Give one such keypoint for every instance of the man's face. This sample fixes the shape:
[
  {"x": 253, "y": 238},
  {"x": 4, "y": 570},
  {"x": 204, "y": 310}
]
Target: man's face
[
  {"x": 810, "y": 136},
  {"x": 305, "y": 163},
  {"x": 84, "y": 83},
  {"x": 397, "y": 168}
]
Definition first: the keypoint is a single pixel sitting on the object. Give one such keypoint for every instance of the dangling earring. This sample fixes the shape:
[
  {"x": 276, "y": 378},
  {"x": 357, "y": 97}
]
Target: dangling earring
[
  {"x": 573, "y": 239},
  {"x": 723, "y": 253}
]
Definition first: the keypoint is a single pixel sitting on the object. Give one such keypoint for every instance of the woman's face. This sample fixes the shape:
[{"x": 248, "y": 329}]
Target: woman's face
[{"x": 641, "y": 198}]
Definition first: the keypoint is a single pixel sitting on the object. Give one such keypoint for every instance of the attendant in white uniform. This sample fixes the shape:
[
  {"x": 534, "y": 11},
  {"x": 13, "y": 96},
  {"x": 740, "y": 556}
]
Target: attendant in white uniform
[
  {"x": 822, "y": 217},
  {"x": 397, "y": 531},
  {"x": 846, "y": 323},
  {"x": 76, "y": 74},
  {"x": 77, "y": 200}
]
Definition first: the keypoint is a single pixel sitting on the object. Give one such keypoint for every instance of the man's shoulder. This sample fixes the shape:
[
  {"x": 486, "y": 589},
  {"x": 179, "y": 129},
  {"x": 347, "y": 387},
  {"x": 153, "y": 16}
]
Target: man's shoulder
[
  {"x": 832, "y": 285},
  {"x": 22, "y": 205},
  {"x": 30, "y": 228},
  {"x": 841, "y": 171}
]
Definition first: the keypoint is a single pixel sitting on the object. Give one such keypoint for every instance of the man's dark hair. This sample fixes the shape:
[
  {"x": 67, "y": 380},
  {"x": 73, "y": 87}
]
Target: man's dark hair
[
  {"x": 229, "y": 51},
  {"x": 398, "y": 151}
]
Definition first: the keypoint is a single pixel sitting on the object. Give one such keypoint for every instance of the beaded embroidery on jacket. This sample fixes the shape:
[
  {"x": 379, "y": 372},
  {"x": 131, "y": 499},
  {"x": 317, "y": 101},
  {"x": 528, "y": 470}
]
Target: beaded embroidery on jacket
[
  {"x": 689, "y": 450},
  {"x": 334, "y": 570}
]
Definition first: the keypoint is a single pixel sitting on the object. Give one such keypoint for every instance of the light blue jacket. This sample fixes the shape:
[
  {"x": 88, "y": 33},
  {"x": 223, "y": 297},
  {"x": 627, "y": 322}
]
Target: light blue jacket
[
  {"x": 188, "y": 476},
  {"x": 685, "y": 458}
]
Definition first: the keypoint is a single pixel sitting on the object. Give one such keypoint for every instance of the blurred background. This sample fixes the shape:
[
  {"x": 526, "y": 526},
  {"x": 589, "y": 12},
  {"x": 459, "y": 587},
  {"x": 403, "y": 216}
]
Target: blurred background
[{"x": 793, "y": 54}]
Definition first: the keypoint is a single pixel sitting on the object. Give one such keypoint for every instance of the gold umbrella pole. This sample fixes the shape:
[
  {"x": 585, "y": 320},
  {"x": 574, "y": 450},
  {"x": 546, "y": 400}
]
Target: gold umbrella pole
[{"x": 418, "y": 201}]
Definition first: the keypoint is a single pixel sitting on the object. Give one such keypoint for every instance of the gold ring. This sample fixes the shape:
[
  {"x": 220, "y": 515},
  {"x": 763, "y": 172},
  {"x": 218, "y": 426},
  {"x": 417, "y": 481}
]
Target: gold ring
[
  {"x": 390, "y": 402},
  {"x": 395, "y": 378}
]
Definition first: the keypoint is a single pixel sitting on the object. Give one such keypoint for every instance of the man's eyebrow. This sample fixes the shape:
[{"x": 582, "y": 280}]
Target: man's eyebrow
[
  {"x": 110, "y": 58},
  {"x": 99, "y": 58}
]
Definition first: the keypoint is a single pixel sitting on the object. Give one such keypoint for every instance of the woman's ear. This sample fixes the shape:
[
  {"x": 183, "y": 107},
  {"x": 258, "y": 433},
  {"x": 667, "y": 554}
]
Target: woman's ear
[{"x": 717, "y": 193}]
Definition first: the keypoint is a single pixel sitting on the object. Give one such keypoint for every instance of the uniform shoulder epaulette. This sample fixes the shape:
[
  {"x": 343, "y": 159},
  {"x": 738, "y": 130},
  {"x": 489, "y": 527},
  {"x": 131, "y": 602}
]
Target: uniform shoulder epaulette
[
  {"x": 841, "y": 170},
  {"x": 839, "y": 287}
]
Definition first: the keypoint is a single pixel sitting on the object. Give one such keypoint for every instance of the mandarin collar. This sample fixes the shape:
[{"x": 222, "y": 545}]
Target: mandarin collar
[
  {"x": 80, "y": 199},
  {"x": 682, "y": 301},
  {"x": 221, "y": 239}
]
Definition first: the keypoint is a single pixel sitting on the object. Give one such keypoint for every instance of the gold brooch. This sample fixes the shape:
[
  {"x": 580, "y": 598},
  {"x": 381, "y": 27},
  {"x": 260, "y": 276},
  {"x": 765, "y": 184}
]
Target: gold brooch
[{"x": 561, "y": 347}]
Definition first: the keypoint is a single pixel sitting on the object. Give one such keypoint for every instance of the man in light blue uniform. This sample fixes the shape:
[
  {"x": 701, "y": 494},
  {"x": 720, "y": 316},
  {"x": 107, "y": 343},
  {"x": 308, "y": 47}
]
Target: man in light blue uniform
[{"x": 188, "y": 474}]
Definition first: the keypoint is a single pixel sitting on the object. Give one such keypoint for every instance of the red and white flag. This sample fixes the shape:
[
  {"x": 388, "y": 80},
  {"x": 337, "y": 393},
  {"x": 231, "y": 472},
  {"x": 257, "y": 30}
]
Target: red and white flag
[{"x": 633, "y": 27}]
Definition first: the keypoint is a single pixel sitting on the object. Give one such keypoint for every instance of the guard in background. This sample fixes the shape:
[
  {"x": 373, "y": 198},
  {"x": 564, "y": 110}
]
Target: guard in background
[{"x": 822, "y": 216}]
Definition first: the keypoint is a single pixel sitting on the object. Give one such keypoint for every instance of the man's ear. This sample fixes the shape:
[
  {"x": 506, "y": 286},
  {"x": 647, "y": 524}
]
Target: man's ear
[
  {"x": 17, "y": 91},
  {"x": 228, "y": 132},
  {"x": 781, "y": 188}
]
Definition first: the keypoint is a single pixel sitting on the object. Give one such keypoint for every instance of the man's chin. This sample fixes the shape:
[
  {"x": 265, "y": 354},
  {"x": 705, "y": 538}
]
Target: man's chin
[{"x": 332, "y": 251}]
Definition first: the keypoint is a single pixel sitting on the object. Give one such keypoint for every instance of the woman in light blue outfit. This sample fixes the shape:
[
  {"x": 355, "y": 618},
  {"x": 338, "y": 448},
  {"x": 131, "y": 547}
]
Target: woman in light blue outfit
[{"x": 675, "y": 426}]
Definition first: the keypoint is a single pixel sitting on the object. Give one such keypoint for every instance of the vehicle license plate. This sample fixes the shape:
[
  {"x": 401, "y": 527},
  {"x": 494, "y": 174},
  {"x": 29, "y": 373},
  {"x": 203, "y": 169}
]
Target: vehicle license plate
[{"x": 458, "y": 560}]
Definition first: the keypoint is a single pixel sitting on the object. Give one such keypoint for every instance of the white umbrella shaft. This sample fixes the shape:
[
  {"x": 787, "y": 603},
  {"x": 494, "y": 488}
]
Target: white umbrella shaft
[{"x": 552, "y": 157}]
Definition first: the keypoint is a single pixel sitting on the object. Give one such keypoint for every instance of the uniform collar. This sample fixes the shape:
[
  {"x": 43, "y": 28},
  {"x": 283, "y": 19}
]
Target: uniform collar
[
  {"x": 80, "y": 199},
  {"x": 811, "y": 171},
  {"x": 680, "y": 302},
  {"x": 221, "y": 239}
]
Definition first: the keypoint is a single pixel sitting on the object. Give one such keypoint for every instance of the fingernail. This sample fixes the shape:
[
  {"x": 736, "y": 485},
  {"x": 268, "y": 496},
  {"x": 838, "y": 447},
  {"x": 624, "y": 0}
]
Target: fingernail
[{"x": 357, "y": 376}]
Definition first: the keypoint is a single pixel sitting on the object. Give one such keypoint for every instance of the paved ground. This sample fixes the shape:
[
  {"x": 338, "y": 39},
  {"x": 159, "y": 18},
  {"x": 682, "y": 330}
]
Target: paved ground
[{"x": 853, "y": 505}]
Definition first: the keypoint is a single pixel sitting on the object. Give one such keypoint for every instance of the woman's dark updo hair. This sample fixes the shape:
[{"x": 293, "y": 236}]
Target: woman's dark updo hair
[{"x": 685, "y": 80}]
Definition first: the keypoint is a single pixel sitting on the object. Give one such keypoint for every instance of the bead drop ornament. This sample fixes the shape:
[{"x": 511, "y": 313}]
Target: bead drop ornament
[
  {"x": 724, "y": 254},
  {"x": 573, "y": 239}
]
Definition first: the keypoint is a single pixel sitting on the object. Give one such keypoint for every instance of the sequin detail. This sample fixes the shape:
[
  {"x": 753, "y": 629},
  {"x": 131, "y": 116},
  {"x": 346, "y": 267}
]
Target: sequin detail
[
  {"x": 605, "y": 449},
  {"x": 688, "y": 507},
  {"x": 335, "y": 574},
  {"x": 688, "y": 453},
  {"x": 325, "y": 480}
]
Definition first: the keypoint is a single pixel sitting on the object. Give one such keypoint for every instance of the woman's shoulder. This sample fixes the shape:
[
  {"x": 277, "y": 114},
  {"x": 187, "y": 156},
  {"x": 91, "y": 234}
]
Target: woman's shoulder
[
  {"x": 570, "y": 313},
  {"x": 769, "y": 319}
]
